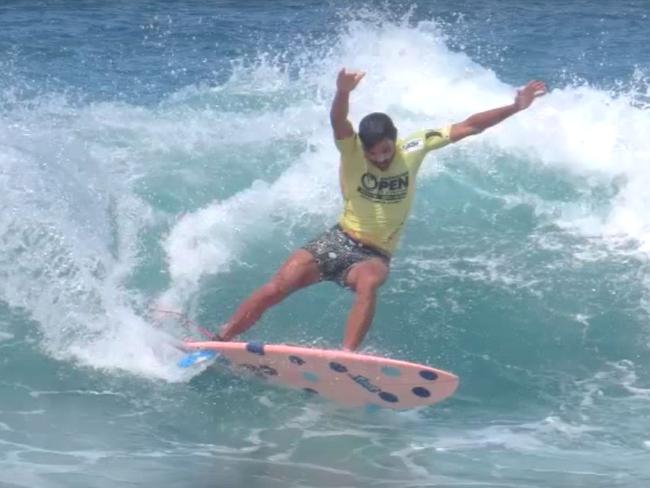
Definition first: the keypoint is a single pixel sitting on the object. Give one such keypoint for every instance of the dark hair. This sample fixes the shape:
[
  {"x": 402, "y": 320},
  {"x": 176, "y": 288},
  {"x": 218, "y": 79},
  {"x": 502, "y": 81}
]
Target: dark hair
[{"x": 376, "y": 127}]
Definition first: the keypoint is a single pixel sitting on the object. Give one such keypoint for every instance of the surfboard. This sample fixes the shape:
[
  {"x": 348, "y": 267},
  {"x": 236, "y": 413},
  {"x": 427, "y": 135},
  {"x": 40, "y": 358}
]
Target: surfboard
[{"x": 347, "y": 378}]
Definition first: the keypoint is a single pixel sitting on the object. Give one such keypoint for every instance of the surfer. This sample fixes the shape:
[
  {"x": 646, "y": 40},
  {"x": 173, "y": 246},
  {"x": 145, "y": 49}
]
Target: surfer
[{"x": 377, "y": 179}]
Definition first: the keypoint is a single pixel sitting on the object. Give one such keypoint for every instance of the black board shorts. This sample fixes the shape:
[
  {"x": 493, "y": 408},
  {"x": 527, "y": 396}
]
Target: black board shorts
[{"x": 335, "y": 252}]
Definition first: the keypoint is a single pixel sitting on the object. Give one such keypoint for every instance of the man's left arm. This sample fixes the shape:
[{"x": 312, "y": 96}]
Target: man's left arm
[{"x": 477, "y": 123}]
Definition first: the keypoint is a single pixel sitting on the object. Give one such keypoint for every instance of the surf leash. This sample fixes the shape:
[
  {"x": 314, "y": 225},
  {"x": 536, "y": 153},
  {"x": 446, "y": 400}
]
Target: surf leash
[{"x": 186, "y": 322}]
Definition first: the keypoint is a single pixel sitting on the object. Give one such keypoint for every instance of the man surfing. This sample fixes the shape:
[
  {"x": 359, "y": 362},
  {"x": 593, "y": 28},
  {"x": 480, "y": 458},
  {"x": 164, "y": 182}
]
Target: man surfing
[{"x": 377, "y": 175}]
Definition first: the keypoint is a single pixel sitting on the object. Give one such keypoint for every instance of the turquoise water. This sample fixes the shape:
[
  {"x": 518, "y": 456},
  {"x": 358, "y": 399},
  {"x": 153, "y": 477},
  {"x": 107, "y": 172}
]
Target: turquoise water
[{"x": 173, "y": 154}]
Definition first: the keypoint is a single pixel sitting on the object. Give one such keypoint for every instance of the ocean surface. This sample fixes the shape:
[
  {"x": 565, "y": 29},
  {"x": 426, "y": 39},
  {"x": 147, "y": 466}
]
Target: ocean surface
[{"x": 171, "y": 154}]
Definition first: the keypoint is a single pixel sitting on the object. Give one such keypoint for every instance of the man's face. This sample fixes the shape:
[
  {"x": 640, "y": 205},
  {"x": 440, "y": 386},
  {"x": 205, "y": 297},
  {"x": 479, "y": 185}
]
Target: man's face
[{"x": 381, "y": 154}]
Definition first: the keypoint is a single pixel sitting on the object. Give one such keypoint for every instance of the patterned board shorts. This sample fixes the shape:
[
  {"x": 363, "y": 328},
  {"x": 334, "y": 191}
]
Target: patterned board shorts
[{"x": 335, "y": 252}]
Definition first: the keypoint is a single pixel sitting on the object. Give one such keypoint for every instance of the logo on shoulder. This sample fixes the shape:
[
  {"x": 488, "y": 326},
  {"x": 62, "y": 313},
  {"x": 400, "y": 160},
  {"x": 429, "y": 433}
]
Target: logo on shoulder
[{"x": 413, "y": 145}]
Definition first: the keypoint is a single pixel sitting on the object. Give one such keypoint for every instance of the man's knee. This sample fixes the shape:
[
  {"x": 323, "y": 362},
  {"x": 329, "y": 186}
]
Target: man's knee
[{"x": 368, "y": 284}]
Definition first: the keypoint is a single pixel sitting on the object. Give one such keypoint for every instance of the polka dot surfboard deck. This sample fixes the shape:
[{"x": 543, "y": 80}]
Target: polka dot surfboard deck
[{"x": 351, "y": 379}]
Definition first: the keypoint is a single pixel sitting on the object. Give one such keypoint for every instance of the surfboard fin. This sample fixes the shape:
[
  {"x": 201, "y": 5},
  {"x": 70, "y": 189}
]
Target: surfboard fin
[{"x": 196, "y": 357}]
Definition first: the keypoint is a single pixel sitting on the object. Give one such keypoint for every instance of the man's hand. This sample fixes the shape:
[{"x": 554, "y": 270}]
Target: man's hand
[
  {"x": 347, "y": 81},
  {"x": 477, "y": 123},
  {"x": 527, "y": 94}
]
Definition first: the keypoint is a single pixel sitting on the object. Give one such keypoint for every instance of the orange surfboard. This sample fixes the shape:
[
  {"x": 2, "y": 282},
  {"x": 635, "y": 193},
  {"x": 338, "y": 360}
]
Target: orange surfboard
[{"x": 348, "y": 378}]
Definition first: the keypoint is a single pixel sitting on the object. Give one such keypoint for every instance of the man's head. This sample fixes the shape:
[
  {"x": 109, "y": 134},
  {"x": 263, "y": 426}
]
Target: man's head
[{"x": 378, "y": 136}]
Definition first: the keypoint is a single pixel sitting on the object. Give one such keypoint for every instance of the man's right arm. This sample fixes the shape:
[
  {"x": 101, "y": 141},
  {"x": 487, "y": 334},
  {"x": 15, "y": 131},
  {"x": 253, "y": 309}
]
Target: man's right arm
[
  {"x": 345, "y": 83},
  {"x": 477, "y": 123},
  {"x": 339, "y": 116}
]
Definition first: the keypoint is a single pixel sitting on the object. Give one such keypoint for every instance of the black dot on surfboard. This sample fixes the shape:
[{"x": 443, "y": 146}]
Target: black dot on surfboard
[
  {"x": 296, "y": 360},
  {"x": 338, "y": 367},
  {"x": 428, "y": 375},
  {"x": 255, "y": 348},
  {"x": 311, "y": 391},
  {"x": 421, "y": 392},
  {"x": 388, "y": 397}
]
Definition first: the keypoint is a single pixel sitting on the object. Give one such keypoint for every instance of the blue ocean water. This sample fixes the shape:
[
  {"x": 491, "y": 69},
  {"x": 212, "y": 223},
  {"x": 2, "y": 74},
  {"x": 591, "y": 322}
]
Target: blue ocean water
[{"x": 172, "y": 154}]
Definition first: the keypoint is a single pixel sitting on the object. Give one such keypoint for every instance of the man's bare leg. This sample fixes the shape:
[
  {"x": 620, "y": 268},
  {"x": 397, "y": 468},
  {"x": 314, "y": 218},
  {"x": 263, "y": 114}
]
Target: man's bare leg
[
  {"x": 364, "y": 278},
  {"x": 298, "y": 271}
]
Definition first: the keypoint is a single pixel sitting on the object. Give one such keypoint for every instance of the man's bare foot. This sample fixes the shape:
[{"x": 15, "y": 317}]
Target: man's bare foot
[{"x": 220, "y": 336}]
